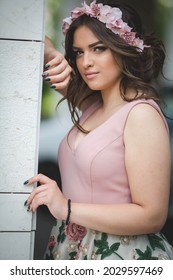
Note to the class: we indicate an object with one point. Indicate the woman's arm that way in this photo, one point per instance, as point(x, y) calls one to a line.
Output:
point(57, 70)
point(147, 158)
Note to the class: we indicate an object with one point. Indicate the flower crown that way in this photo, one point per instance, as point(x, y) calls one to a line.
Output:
point(111, 17)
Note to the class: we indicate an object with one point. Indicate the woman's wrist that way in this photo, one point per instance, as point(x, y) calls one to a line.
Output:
point(49, 49)
point(65, 211)
point(48, 54)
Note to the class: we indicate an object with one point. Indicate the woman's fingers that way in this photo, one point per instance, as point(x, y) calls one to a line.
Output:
point(49, 194)
point(58, 58)
point(62, 85)
point(48, 189)
point(38, 200)
point(35, 192)
point(42, 179)
point(58, 77)
point(58, 72)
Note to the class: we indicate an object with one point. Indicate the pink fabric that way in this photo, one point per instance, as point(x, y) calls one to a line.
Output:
point(95, 171)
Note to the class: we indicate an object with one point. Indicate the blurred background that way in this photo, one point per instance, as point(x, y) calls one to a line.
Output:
point(157, 16)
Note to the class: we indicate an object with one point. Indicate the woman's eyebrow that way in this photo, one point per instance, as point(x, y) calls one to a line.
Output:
point(90, 46)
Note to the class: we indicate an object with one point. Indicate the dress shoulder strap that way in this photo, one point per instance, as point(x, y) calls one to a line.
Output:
point(150, 102)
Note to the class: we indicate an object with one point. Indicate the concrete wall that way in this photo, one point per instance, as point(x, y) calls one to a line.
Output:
point(21, 64)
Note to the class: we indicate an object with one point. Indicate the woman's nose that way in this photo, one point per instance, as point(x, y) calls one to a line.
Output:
point(88, 60)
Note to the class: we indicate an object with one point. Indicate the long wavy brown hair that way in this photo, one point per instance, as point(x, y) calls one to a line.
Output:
point(139, 69)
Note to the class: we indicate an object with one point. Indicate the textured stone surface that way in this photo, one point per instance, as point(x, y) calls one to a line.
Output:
point(22, 19)
point(16, 245)
point(19, 112)
point(21, 62)
point(14, 215)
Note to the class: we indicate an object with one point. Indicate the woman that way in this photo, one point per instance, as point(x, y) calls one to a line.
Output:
point(115, 161)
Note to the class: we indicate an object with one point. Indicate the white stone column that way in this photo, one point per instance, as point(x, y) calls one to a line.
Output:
point(21, 64)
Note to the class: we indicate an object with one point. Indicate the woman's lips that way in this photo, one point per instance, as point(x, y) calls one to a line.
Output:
point(90, 75)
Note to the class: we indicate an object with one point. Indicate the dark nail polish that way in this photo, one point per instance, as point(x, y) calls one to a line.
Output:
point(46, 66)
point(26, 202)
point(28, 208)
point(26, 182)
point(52, 86)
point(45, 74)
point(47, 79)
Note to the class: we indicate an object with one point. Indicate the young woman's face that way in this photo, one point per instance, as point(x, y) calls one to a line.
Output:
point(95, 61)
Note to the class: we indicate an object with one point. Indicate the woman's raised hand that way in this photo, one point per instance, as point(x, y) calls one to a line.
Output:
point(57, 72)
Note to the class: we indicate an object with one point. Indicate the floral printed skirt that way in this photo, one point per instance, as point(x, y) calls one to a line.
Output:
point(74, 242)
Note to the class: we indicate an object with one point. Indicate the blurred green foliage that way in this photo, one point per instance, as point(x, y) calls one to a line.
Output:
point(53, 11)
point(49, 96)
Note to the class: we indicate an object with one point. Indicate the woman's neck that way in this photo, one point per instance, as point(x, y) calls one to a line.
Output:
point(111, 99)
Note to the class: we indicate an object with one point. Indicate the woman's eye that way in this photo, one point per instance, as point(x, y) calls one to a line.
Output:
point(100, 49)
point(78, 53)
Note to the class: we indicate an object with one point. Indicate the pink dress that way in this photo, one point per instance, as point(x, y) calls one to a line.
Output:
point(95, 172)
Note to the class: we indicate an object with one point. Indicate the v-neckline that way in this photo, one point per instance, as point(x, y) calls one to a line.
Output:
point(75, 130)
point(87, 114)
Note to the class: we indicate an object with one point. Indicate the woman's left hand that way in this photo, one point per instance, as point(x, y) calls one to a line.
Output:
point(49, 194)
point(58, 72)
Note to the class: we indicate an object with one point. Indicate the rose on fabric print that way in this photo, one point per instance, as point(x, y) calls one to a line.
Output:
point(75, 232)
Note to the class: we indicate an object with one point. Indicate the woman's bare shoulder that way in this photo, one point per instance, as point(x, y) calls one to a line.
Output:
point(146, 114)
point(145, 120)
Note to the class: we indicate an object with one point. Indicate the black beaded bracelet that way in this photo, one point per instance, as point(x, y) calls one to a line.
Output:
point(69, 212)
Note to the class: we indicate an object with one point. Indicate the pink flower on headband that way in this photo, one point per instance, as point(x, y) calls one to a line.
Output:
point(66, 24)
point(90, 10)
point(111, 17)
point(77, 12)
point(109, 14)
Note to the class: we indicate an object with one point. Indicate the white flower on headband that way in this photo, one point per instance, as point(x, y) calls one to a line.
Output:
point(111, 17)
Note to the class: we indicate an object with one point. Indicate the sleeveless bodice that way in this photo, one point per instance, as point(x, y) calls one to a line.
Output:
point(94, 171)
